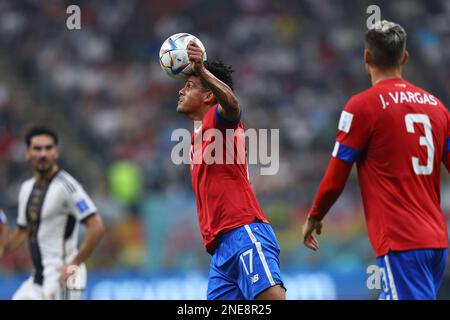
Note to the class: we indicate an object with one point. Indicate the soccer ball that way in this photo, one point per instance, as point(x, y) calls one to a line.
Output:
point(173, 56)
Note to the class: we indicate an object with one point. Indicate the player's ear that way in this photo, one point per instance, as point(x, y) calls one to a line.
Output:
point(367, 57)
point(56, 152)
point(405, 57)
point(210, 99)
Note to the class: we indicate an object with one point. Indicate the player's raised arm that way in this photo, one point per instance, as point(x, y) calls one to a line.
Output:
point(228, 104)
point(17, 239)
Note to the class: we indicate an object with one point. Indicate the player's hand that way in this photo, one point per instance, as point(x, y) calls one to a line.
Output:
point(195, 54)
point(309, 227)
point(66, 272)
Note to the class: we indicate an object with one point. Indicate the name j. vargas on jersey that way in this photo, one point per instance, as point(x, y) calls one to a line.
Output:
point(400, 97)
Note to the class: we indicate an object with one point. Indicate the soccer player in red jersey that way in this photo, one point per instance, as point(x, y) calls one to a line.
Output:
point(243, 247)
point(397, 134)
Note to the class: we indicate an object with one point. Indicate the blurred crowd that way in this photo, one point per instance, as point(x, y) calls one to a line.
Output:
point(296, 64)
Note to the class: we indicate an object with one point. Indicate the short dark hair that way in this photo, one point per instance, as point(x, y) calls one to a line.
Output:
point(221, 71)
point(386, 42)
point(37, 131)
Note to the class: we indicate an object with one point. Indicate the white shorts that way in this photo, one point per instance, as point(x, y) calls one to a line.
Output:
point(51, 289)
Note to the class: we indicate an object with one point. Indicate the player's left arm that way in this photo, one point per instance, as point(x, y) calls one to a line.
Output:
point(85, 211)
point(94, 233)
point(229, 107)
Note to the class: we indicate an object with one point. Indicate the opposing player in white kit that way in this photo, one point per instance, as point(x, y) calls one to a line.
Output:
point(51, 206)
point(3, 231)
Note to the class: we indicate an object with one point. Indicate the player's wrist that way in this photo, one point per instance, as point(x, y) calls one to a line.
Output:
point(76, 262)
point(315, 216)
point(201, 70)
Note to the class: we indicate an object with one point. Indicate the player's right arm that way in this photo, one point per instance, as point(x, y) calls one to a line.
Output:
point(3, 231)
point(20, 234)
point(331, 187)
point(229, 107)
point(16, 240)
point(354, 130)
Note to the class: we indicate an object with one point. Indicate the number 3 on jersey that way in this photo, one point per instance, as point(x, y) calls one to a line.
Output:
point(426, 141)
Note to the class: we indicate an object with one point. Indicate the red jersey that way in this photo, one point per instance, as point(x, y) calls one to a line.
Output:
point(398, 134)
point(224, 196)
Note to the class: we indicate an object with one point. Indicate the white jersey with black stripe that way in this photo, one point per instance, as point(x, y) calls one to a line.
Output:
point(52, 215)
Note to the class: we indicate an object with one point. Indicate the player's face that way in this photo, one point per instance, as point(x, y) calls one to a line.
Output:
point(191, 96)
point(42, 153)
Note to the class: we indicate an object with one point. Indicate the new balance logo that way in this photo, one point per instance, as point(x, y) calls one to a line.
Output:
point(255, 278)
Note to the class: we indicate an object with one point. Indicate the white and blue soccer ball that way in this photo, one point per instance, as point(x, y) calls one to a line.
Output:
point(173, 56)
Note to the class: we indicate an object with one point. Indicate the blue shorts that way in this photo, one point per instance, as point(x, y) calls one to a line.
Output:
point(245, 263)
point(412, 274)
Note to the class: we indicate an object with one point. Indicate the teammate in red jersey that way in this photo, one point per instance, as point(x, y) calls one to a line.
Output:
point(245, 252)
point(397, 134)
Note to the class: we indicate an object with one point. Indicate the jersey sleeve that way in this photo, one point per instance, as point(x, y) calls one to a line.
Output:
point(354, 131)
point(222, 123)
point(80, 203)
point(21, 211)
point(330, 188)
point(447, 138)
